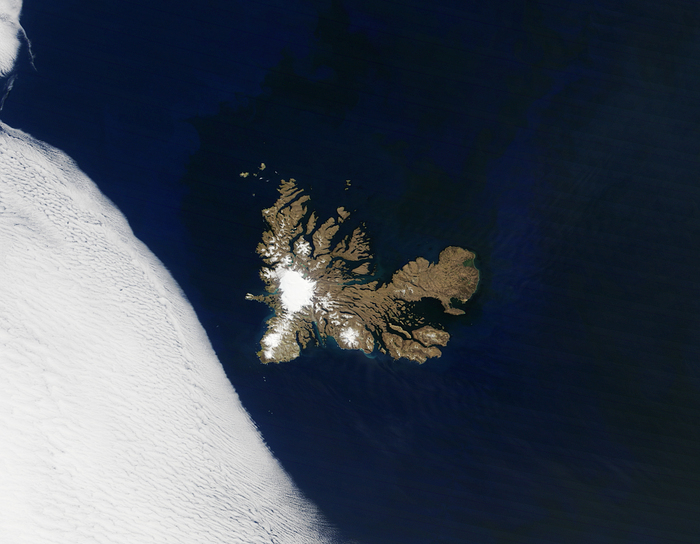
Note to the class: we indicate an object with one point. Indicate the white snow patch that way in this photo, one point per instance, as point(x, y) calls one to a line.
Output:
point(117, 422)
point(302, 247)
point(272, 340)
point(349, 336)
point(280, 332)
point(325, 302)
point(296, 291)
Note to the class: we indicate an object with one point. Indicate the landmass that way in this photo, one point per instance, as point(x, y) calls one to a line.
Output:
point(319, 289)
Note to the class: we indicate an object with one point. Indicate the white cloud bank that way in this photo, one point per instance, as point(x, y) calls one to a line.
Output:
point(117, 422)
point(10, 31)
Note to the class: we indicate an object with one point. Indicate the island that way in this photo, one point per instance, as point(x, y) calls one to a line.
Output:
point(320, 289)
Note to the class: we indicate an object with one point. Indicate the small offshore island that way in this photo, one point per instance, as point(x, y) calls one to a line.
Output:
point(318, 289)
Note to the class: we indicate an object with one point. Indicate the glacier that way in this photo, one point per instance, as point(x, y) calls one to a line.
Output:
point(117, 421)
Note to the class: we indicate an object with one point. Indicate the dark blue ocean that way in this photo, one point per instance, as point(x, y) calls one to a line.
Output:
point(558, 141)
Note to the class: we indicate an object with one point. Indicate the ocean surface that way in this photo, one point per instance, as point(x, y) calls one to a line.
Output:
point(558, 141)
